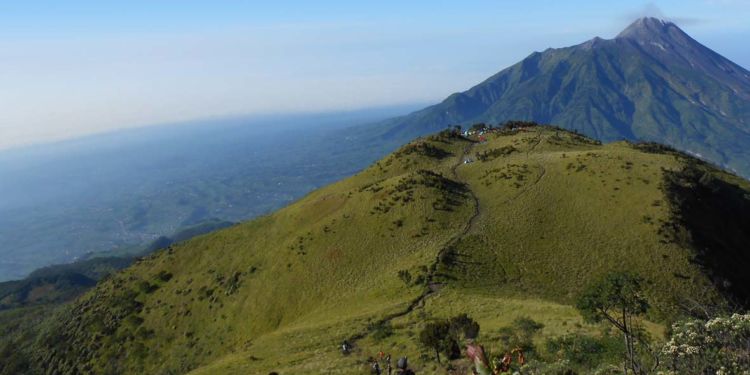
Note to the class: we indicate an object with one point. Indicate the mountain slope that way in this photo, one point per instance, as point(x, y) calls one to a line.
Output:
point(652, 82)
point(537, 216)
point(59, 283)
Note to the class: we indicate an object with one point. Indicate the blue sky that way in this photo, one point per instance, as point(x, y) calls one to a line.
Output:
point(78, 67)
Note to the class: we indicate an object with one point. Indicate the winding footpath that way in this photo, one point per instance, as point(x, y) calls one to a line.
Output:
point(433, 287)
point(539, 177)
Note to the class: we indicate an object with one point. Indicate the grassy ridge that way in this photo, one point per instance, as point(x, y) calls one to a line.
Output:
point(573, 210)
point(517, 232)
point(331, 256)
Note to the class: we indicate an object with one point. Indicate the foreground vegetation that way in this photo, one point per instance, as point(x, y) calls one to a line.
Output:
point(506, 231)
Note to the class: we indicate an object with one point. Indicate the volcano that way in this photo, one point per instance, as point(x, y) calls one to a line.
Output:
point(652, 82)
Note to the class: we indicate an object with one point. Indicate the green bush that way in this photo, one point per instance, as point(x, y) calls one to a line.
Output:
point(146, 287)
point(585, 352)
point(520, 334)
point(405, 276)
point(444, 336)
point(720, 345)
point(380, 330)
point(463, 325)
point(164, 276)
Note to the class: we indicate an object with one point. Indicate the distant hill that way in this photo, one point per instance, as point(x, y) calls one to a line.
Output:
point(512, 223)
point(652, 82)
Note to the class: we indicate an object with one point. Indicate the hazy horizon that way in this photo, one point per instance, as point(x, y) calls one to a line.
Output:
point(87, 68)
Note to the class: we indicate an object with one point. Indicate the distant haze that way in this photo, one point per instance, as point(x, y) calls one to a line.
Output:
point(90, 67)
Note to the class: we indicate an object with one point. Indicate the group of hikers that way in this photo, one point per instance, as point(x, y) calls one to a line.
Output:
point(402, 365)
point(381, 364)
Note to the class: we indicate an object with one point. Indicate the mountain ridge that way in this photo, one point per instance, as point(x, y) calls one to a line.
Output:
point(653, 82)
point(555, 211)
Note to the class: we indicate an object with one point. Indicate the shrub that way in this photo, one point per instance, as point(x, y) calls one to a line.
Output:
point(463, 325)
point(134, 320)
point(146, 287)
point(495, 153)
point(520, 334)
point(585, 352)
point(405, 276)
point(437, 336)
point(444, 335)
point(519, 124)
point(720, 345)
point(13, 360)
point(164, 276)
point(380, 330)
point(527, 326)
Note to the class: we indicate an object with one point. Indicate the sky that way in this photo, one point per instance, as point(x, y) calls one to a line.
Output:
point(74, 68)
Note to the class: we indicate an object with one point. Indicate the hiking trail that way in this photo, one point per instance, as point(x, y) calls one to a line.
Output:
point(434, 287)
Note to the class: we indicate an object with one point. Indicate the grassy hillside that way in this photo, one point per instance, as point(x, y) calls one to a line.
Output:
point(519, 231)
point(60, 283)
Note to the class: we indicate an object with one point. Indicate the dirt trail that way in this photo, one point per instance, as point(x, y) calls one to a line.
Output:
point(542, 173)
point(432, 286)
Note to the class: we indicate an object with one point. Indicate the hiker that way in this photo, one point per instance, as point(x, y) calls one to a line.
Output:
point(375, 368)
point(403, 367)
point(388, 364)
point(402, 363)
point(346, 347)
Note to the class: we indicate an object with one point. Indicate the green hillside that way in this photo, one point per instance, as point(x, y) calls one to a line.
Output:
point(60, 283)
point(514, 226)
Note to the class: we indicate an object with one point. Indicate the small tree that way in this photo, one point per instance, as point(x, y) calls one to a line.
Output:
point(463, 325)
point(444, 335)
point(434, 336)
point(617, 299)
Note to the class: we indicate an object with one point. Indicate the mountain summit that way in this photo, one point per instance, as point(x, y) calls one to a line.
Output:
point(651, 82)
point(651, 29)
